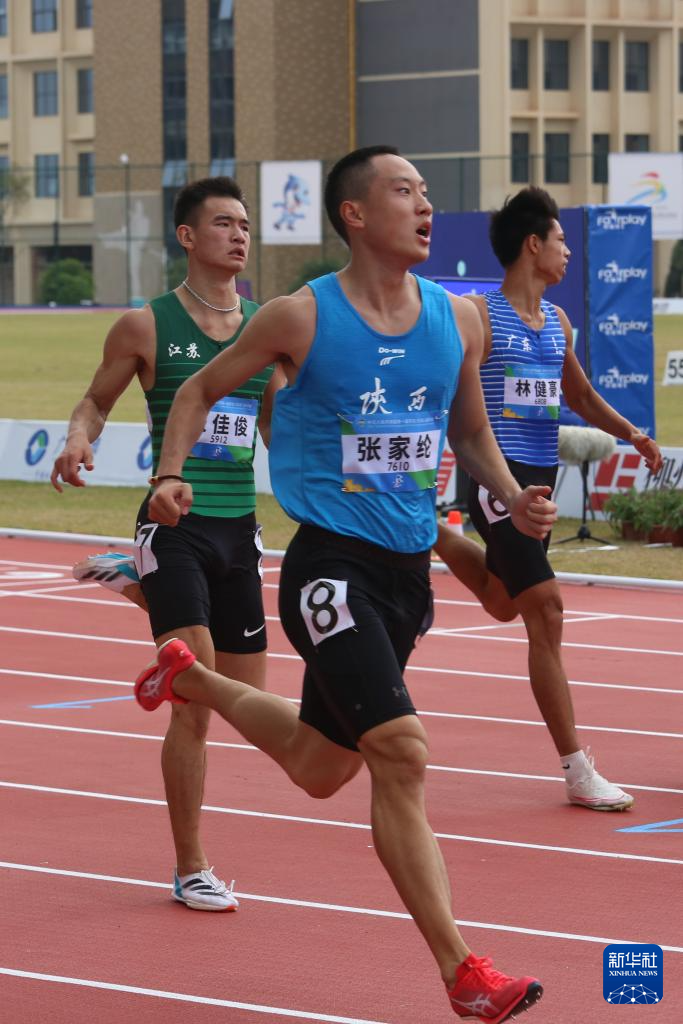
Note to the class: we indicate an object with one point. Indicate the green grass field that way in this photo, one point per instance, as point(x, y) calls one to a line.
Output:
point(48, 361)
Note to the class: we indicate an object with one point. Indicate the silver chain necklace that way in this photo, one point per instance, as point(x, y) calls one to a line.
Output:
point(217, 309)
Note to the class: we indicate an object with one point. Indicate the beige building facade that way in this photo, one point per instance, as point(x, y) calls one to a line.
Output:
point(107, 108)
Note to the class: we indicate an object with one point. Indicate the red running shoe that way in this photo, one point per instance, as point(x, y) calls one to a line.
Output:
point(484, 994)
point(153, 685)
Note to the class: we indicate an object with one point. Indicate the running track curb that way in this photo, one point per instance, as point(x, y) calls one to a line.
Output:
point(586, 579)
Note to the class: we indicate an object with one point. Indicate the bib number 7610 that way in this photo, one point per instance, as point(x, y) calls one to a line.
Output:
point(324, 609)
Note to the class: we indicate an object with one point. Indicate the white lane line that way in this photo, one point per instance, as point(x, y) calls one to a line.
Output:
point(331, 823)
point(314, 905)
point(182, 997)
point(590, 615)
point(248, 746)
point(274, 618)
point(467, 673)
point(470, 633)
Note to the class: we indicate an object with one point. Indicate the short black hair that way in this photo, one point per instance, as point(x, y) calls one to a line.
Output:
point(192, 195)
point(530, 212)
point(349, 179)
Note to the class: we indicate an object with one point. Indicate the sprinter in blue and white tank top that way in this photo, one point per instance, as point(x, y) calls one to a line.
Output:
point(379, 365)
point(528, 362)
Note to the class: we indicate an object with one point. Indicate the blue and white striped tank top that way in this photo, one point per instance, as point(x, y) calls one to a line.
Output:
point(521, 382)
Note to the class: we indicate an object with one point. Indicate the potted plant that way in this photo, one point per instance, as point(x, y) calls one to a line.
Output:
point(673, 517)
point(621, 509)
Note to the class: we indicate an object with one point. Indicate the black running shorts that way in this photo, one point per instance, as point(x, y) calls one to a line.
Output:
point(206, 571)
point(520, 562)
point(353, 611)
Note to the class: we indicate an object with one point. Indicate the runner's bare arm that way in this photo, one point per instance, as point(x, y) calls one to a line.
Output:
point(276, 382)
point(583, 399)
point(471, 437)
point(281, 331)
point(129, 349)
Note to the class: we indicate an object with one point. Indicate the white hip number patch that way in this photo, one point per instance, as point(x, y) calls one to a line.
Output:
point(145, 559)
point(324, 609)
point(493, 509)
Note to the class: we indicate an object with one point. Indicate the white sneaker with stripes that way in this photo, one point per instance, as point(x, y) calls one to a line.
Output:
point(112, 570)
point(203, 891)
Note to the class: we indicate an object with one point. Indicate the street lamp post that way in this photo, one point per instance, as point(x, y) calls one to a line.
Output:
point(124, 160)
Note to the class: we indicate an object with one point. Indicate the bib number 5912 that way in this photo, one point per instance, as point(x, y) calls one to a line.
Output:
point(324, 609)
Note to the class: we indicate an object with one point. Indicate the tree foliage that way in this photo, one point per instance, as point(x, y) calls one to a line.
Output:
point(66, 282)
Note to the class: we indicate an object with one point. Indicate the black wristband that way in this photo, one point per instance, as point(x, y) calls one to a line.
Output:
point(154, 480)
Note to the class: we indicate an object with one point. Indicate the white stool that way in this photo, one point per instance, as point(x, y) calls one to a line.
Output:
point(581, 446)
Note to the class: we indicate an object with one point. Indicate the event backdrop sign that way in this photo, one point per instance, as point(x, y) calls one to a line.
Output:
point(461, 258)
point(291, 202)
point(621, 342)
point(650, 179)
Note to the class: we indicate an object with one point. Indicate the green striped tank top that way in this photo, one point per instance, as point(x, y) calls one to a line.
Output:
point(221, 488)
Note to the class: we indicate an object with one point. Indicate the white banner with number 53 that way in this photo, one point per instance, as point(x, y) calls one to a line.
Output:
point(673, 368)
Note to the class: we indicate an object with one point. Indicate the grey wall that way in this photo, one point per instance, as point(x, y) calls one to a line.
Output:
point(429, 112)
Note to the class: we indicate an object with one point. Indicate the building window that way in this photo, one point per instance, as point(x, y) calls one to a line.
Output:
point(519, 63)
point(86, 174)
point(557, 157)
point(4, 173)
point(637, 143)
point(3, 17)
point(46, 176)
point(221, 87)
point(680, 143)
point(174, 80)
point(4, 103)
point(680, 67)
point(85, 91)
point(45, 95)
point(519, 164)
point(83, 13)
point(637, 67)
point(600, 154)
point(601, 65)
point(556, 64)
point(44, 15)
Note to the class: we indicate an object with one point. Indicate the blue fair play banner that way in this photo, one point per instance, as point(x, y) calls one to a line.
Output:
point(619, 278)
point(632, 972)
point(606, 293)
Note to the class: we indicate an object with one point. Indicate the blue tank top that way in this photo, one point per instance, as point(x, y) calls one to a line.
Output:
point(357, 439)
point(521, 382)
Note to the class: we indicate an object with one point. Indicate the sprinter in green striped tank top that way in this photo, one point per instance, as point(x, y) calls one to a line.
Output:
point(201, 581)
point(221, 487)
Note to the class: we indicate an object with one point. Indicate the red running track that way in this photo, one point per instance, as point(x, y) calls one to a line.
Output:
point(89, 931)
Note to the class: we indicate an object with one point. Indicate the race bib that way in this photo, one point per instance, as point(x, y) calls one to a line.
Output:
point(144, 557)
point(229, 431)
point(390, 453)
point(531, 393)
point(324, 609)
point(493, 509)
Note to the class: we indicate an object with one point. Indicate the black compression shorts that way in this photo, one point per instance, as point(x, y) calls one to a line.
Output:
point(520, 562)
point(353, 611)
point(206, 571)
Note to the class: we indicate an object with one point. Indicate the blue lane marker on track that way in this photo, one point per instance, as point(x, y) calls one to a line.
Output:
point(81, 703)
point(656, 826)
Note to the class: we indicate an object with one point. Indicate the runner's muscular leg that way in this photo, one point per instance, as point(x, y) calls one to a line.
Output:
point(541, 609)
point(183, 760)
point(396, 755)
point(272, 724)
point(467, 561)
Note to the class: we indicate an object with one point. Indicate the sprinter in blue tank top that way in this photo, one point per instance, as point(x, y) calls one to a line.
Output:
point(379, 365)
point(528, 359)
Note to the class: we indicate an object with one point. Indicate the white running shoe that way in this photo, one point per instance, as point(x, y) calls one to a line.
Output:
point(112, 570)
point(203, 891)
point(591, 790)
